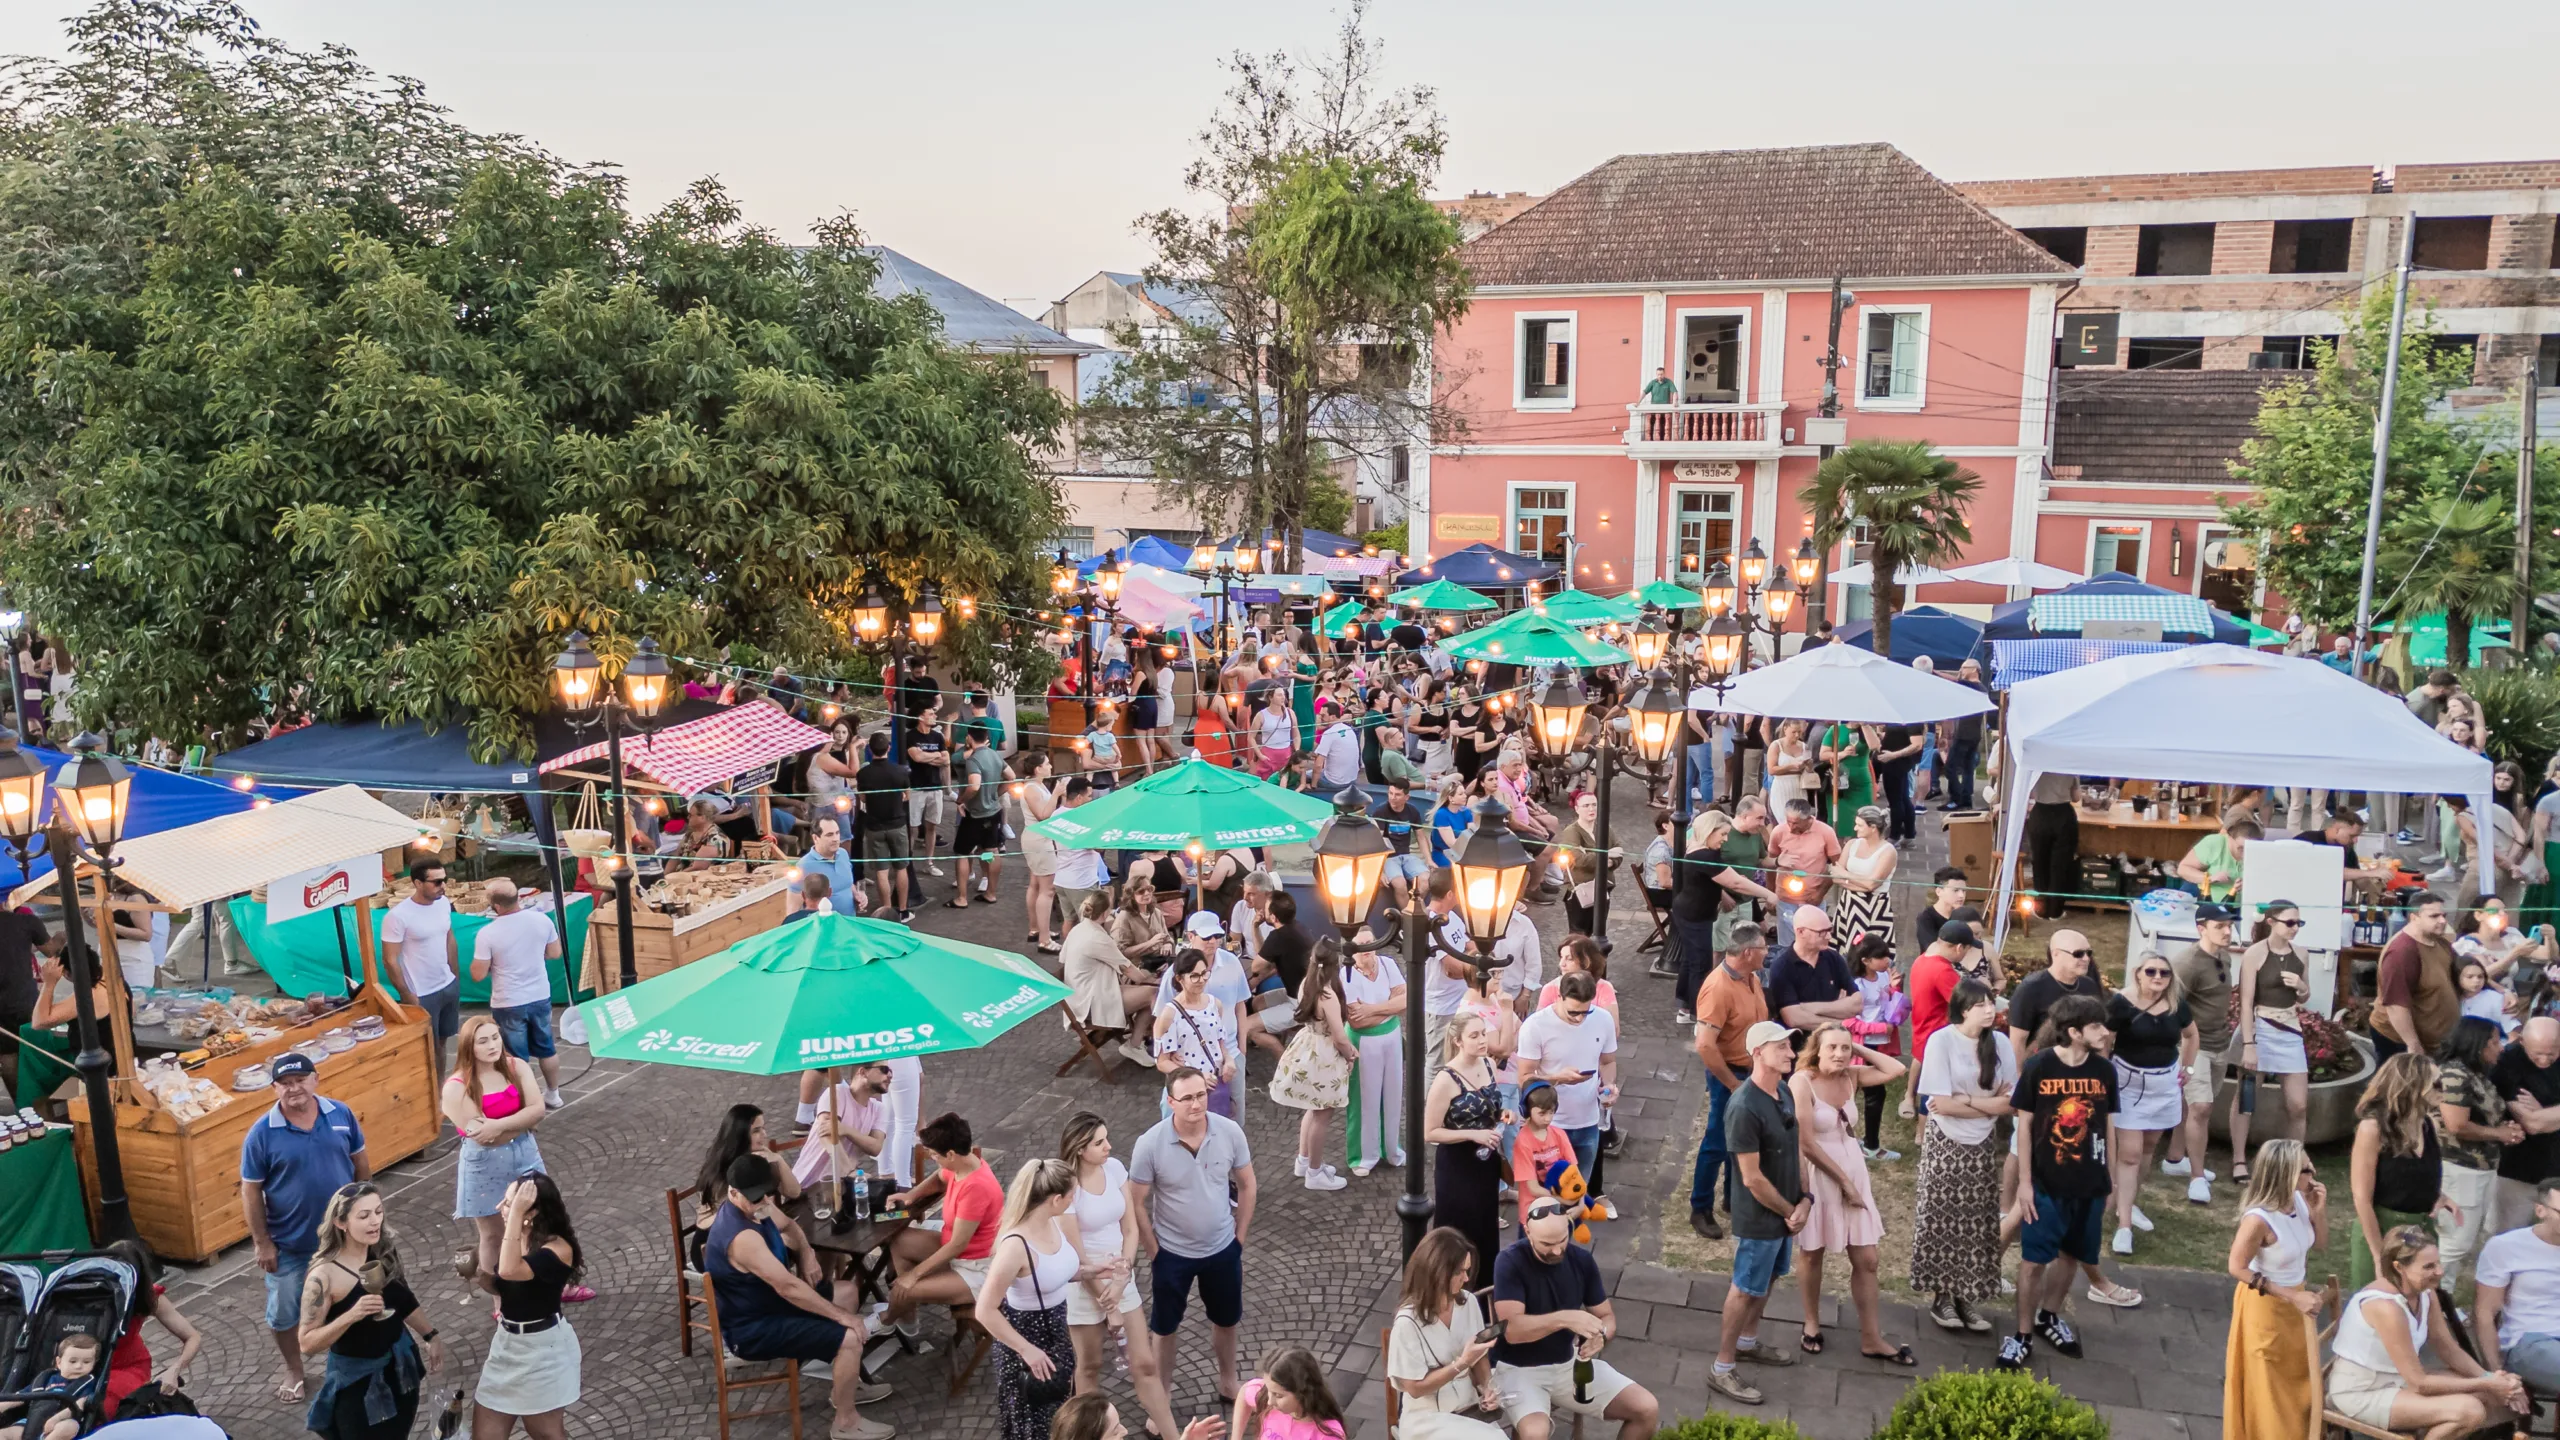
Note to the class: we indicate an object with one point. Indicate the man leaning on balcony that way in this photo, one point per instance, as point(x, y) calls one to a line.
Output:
point(1659, 390)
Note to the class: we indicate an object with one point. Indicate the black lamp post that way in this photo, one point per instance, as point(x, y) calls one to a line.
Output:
point(91, 795)
point(1739, 613)
point(577, 676)
point(1228, 566)
point(874, 629)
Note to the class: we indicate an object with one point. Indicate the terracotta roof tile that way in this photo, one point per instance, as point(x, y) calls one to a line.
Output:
point(1807, 213)
point(2178, 427)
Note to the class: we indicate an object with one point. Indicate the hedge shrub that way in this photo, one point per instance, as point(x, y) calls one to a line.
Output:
point(1979, 1405)
point(1718, 1425)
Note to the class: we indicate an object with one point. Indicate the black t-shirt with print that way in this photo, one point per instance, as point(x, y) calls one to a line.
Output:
point(2069, 1105)
point(929, 772)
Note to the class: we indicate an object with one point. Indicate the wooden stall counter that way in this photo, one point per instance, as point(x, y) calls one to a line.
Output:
point(182, 1176)
point(719, 908)
point(1973, 839)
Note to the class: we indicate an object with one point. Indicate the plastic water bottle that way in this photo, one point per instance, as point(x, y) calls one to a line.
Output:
point(861, 1196)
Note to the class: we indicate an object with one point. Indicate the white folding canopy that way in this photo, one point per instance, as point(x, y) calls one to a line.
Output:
point(1844, 683)
point(2222, 715)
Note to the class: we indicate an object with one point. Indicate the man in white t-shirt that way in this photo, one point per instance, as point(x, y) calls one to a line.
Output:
point(2517, 1313)
point(419, 932)
point(512, 953)
point(1573, 1045)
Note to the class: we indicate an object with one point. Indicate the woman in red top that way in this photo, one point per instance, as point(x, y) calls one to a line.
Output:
point(129, 1366)
point(1211, 734)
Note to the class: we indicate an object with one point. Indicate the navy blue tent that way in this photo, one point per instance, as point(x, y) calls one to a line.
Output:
point(390, 757)
point(1147, 550)
point(1946, 638)
point(2010, 621)
point(164, 800)
point(1481, 567)
point(1313, 542)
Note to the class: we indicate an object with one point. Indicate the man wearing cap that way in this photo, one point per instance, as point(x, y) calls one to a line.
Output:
point(1731, 1001)
point(1760, 1130)
point(1933, 980)
point(1810, 983)
point(978, 845)
point(304, 1151)
point(774, 1302)
point(1552, 1309)
point(2203, 972)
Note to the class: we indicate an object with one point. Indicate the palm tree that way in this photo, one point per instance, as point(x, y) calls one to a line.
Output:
point(2457, 557)
point(1912, 501)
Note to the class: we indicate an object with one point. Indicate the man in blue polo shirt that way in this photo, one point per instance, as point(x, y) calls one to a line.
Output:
point(827, 856)
point(304, 1151)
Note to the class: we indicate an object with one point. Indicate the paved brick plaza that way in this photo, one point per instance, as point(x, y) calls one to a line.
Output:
point(1320, 1269)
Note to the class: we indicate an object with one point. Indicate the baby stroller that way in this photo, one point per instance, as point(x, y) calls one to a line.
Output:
point(20, 1284)
point(89, 1296)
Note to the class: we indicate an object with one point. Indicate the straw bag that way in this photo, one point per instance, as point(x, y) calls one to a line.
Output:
point(586, 834)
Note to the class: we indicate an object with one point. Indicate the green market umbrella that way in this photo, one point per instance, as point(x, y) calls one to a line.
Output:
point(1665, 595)
point(1441, 595)
point(2427, 635)
point(1581, 607)
point(1195, 800)
point(1529, 638)
point(828, 990)
point(1337, 620)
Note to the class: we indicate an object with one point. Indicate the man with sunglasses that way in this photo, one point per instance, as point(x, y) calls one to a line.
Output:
point(2203, 973)
point(419, 932)
point(2070, 969)
point(1553, 1309)
point(1769, 1207)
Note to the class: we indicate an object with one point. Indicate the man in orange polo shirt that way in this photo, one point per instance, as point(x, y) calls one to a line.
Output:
point(1730, 1001)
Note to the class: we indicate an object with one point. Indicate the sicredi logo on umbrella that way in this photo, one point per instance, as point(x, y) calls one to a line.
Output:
point(822, 1047)
point(657, 1040)
point(985, 1017)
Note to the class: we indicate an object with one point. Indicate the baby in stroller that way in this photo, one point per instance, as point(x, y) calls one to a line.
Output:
point(64, 1401)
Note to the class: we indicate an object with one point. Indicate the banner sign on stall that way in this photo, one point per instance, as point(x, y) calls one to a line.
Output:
point(324, 887)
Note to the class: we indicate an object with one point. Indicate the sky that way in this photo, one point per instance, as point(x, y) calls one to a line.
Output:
point(1012, 145)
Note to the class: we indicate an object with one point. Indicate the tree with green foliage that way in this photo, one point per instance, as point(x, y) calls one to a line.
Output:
point(1912, 501)
point(314, 402)
point(2310, 468)
point(1321, 271)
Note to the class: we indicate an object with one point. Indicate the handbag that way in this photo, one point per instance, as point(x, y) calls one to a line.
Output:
point(1036, 1393)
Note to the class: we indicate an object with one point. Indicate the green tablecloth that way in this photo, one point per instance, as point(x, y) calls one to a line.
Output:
point(302, 954)
point(40, 1205)
point(39, 1074)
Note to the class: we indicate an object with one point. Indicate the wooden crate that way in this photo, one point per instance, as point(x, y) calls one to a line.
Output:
point(660, 942)
point(182, 1178)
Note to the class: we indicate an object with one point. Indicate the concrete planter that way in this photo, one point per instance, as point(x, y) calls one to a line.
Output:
point(2330, 1117)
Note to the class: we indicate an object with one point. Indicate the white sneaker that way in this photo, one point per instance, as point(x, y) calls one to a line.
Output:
point(1300, 1167)
point(2008, 1286)
point(2124, 1241)
point(1362, 1171)
point(553, 1100)
point(1608, 1208)
point(933, 870)
point(2141, 1221)
point(1321, 1179)
point(2200, 1191)
point(2175, 1169)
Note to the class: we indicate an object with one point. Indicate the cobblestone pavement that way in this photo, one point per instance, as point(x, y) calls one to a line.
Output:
point(1320, 1269)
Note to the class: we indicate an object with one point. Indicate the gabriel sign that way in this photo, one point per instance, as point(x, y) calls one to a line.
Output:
point(323, 887)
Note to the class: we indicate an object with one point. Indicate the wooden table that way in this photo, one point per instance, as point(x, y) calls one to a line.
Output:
point(1974, 844)
point(856, 1242)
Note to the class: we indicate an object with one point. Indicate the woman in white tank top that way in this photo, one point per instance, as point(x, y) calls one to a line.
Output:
point(2266, 1382)
point(1024, 1302)
point(2379, 1376)
point(1102, 1309)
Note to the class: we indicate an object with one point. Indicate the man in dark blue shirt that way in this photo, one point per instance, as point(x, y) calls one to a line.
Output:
point(1553, 1310)
point(1810, 983)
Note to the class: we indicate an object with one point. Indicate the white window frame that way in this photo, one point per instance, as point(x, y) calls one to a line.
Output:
point(2089, 552)
point(1672, 347)
point(1511, 512)
point(1520, 398)
point(1741, 523)
point(1895, 404)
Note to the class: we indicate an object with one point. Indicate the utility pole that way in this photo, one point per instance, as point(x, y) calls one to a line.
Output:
point(1817, 594)
point(2518, 637)
point(2382, 445)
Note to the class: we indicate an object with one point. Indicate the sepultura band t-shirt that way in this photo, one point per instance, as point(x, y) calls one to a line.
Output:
point(2069, 1105)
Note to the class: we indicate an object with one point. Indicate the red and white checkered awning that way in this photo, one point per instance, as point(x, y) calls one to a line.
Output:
point(708, 753)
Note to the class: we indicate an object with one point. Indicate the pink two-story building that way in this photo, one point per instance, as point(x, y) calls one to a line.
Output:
point(1716, 269)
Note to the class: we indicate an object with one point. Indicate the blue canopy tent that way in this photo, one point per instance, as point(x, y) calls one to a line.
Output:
point(162, 800)
point(1146, 550)
point(1948, 639)
point(1481, 567)
point(2013, 621)
point(1312, 542)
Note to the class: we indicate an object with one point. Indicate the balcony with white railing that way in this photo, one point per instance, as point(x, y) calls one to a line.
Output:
point(1704, 431)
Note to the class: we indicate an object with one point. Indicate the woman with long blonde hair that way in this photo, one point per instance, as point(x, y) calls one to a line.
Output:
point(357, 1306)
point(1023, 1303)
point(2395, 1172)
point(2267, 1391)
point(1462, 1117)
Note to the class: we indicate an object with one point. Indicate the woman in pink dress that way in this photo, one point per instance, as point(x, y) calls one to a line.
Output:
point(1831, 1072)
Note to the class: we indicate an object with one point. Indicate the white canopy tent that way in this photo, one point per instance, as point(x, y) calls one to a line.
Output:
point(232, 854)
point(1843, 683)
point(1864, 573)
point(2018, 573)
point(2222, 715)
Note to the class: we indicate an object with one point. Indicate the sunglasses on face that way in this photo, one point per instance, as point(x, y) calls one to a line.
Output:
point(1545, 1210)
point(2079, 954)
point(2294, 923)
point(2156, 974)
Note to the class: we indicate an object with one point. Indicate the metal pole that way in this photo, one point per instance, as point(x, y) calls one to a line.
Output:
point(1413, 1207)
point(630, 967)
point(1600, 891)
point(2382, 443)
point(115, 1216)
point(2527, 436)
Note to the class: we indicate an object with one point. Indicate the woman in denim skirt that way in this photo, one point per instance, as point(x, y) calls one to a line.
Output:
point(494, 1100)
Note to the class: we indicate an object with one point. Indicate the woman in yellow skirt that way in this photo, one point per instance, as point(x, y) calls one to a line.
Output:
point(2269, 1388)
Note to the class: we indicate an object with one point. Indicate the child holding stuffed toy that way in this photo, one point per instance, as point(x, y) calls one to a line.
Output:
point(1540, 1143)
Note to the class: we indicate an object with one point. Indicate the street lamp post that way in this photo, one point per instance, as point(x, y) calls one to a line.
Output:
point(873, 629)
point(577, 676)
point(12, 624)
point(1739, 613)
point(1227, 566)
point(91, 795)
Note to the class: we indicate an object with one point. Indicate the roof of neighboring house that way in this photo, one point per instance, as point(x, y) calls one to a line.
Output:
point(2156, 426)
point(1180, 301)
point(1806, 213)
point(969, 319)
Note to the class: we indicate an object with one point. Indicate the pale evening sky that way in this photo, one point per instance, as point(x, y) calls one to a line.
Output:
point(1010, 145)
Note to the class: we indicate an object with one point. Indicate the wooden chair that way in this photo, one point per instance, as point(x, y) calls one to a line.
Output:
point(2331, 1422)
point(729, 1373)
point(693, 1286)
point(1091, 1040)
point(966, 1333)
point(1656, 907)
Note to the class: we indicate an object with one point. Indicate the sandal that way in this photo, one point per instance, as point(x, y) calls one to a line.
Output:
point(288, 1392)
point(1810, 1342)
point(2239, 1172)
point(955, 904)
point(1901, 1355)
point(1046, 949)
